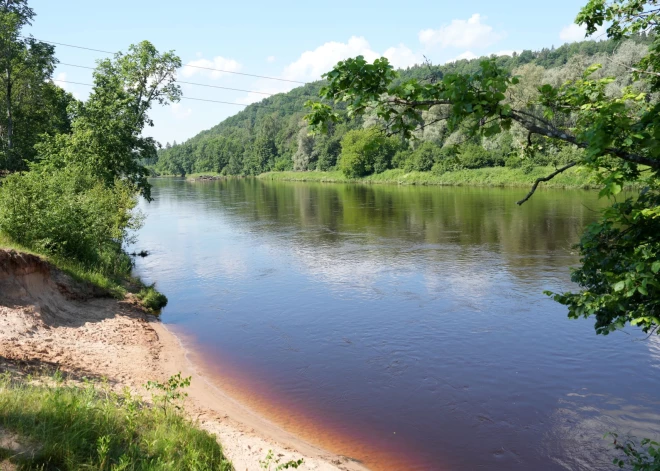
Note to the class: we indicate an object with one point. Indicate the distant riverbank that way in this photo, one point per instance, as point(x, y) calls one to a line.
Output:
point(486, 177)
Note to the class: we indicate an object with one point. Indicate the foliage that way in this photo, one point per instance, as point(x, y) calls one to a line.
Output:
point(366, 151)
point(643, 456)
point(106, 131)
point(152, 299)
point(84, 160)
point(170, 393)
point(620, 257)
point(229, 145)
point(618, 128)
point(84, 428)
point(270, 460)
point(31, 104)
point(69, 213)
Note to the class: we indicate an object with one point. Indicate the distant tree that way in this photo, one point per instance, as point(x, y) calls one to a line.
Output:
point(366, 151)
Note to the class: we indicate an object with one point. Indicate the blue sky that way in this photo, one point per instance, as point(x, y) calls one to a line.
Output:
point(297, 40)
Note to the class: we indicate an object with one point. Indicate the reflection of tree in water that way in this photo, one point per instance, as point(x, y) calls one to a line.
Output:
point(550, 223)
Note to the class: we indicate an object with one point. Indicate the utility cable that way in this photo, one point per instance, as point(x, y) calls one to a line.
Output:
point(195, 99)
point(181, 81)
point(184, 65)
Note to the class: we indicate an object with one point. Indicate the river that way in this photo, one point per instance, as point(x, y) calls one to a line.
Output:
point(405, 327)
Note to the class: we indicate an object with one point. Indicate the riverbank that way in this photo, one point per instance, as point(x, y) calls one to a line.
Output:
point(47, 318)
point(484, 177)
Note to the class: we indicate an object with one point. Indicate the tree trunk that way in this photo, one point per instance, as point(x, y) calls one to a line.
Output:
point(10, 122)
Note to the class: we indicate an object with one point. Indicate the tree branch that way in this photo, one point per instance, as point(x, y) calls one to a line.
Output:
point(545, 179)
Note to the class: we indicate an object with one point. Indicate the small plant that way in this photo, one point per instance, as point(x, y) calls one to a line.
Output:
point(152, 299)
point(644, 456)
point(169, 393)
point(103, 449)
point(270, 460)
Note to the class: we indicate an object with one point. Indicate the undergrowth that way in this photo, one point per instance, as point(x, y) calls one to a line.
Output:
point(74, 427)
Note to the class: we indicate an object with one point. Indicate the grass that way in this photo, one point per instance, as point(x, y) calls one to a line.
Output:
point(74, 427)
point(194, 175)
point(204, 174)
point(486, 177)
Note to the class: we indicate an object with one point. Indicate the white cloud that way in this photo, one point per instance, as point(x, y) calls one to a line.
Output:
point(180, 112)
point(270, 59)
point(573, 33)
point(312, 64)
point(468, 33)
point(60, 79)
point(218, 62)
point(402, 57)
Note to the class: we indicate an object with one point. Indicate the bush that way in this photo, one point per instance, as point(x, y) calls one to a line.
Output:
point(423, 158)
point(475, 156)
point(69, 213)
point(152, 299)
point(366, 151)
point(281, 165)
point(513, 161)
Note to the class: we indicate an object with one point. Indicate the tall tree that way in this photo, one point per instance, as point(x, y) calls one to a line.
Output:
point(107, 129)
point(32, 105)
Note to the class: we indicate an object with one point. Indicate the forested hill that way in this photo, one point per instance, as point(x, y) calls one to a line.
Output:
point(271, 134)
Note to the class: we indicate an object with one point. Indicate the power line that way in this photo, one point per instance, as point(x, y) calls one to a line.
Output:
point(184, 65)
point(181, 81)
point(192, 98)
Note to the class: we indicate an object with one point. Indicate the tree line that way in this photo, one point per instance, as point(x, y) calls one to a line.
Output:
point(272, 135)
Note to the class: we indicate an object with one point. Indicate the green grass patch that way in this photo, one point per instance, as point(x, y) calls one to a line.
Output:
point(69, 427)
point(486, 177)
point(152, 299)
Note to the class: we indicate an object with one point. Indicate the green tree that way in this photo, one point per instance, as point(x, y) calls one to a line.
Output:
point(619, 134)
point(366, 151)
point(32, 105)
point(107, 129)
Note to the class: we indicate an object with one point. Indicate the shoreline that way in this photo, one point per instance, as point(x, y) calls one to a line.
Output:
point(486, 177)
point(46, 319)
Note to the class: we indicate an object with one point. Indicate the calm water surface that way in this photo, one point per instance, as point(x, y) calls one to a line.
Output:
point(404, 327)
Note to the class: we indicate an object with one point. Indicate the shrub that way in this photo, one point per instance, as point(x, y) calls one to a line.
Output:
point(423, 158)
point(152, 299)
point(69, 213)
point(366, 151)
point(475, 156)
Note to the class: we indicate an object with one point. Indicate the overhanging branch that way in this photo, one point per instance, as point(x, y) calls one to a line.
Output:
point(545, 179)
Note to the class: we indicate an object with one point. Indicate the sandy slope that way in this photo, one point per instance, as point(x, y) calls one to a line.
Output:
point(46, 317)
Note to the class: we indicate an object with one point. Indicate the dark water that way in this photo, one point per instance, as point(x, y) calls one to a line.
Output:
point(404, 327)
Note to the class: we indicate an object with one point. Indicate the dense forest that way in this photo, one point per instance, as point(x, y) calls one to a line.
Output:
point(272, 135)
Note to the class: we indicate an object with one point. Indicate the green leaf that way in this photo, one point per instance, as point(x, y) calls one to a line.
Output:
point(655, 268)
point(619, 286)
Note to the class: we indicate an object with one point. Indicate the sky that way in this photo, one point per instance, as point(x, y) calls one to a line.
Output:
point(294, 40)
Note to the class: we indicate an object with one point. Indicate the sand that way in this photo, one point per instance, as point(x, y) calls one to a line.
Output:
point(47, 318)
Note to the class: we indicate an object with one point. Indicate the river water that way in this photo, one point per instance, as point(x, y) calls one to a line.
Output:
point(405, 327)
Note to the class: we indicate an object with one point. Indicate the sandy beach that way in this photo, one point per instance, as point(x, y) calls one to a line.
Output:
point(47, 318)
